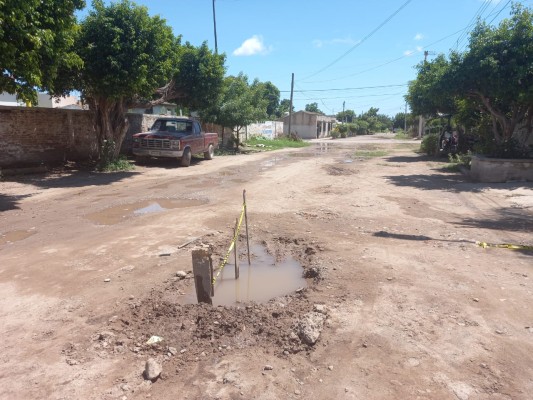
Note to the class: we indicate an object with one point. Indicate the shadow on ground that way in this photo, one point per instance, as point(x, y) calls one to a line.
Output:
point(10, 202)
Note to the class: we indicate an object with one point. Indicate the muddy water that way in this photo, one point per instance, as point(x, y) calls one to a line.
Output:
point(117, 214)
point(265, 279)
point(15, 236)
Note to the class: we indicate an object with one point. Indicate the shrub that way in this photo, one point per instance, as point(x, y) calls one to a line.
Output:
point(430, 144)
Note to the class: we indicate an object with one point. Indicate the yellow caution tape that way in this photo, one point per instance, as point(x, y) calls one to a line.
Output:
point(232, 244)
point(505, 246)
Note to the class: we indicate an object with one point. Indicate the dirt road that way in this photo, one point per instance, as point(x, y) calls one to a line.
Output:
point(411, 307)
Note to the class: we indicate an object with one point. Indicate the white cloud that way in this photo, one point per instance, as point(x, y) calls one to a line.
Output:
point(408, 52)
point(342, 41)
point(419, 36)
point(419, 48)
point(252, 46)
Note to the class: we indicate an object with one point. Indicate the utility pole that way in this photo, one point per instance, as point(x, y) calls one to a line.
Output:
point(215, 27)
point(290, 105)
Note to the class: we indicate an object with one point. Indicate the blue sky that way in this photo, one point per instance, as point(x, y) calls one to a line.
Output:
point(359, 52)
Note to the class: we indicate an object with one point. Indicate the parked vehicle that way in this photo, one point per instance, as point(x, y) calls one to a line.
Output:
point(175, 137)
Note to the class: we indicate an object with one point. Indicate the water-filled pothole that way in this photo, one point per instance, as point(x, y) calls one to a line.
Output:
point(263, 280)
point(15, 236)
point(114, 215)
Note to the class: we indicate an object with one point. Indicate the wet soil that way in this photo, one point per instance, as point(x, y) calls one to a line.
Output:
point(95, 265)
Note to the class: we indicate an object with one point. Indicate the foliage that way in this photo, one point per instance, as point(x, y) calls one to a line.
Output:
point(198, 77)
point(510, 148)
point(430, 144)
point(401, 135)
point(127, 54)
point(108, 162)
point(283, 108)
point(335, 134)
point(240, 103)
point(36, 41)
point(313, 107)
point(275, 144)
point(493, 78)
point(346, 116)
point(271, 94)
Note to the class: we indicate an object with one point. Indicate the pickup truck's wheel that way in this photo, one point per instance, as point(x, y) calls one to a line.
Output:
point(186, 158)
point(210, 153)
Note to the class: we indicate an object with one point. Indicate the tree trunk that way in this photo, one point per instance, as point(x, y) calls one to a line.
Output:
point(110, 123)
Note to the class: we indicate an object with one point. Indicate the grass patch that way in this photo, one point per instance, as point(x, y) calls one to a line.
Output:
point(402, 136)
point(120, 164)
point(274, 144)
point(370, 153)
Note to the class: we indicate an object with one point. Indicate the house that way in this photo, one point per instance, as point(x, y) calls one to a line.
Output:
point(309, 125)
point(159, 109)
point(43, 100)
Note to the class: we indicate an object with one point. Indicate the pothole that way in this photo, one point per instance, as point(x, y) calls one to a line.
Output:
point(259, 282)
point(117, 214)
point(16, 236)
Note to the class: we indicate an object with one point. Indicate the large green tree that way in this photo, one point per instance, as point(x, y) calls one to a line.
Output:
point(127, 55)
point(497, 70)
point(36, 39)
point(197, 80)
point(313, 107)
point(240, 103)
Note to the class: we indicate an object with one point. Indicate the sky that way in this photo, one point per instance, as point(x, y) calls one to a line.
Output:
point(353, 54)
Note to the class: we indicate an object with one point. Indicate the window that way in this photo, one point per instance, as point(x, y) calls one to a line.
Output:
point(197, 128)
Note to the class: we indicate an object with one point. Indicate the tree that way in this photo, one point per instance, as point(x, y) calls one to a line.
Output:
point(283, 108)
point(240, 104)
point(127, 54)
point(36, 40)
point(497, 70)
point(346, 116)
point(432, 92)
point(313, 107)
point(271, 94)
point(197, 80)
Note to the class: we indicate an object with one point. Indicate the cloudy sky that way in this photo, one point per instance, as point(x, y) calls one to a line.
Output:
point(358, 52)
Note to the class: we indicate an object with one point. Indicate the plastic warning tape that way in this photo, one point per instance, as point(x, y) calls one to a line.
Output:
point(232, 244)
point(505, 246)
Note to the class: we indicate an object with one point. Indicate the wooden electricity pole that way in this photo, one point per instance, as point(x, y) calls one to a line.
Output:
point(290, 105)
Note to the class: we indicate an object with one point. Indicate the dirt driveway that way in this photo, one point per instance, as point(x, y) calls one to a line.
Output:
point(408, 306)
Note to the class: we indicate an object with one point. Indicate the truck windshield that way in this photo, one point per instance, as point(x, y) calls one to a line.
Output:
point(172, 126)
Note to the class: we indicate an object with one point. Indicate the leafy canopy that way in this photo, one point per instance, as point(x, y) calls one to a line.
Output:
point(36, 39)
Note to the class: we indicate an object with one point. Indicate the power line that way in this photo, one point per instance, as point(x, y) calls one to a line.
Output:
point(361, 41)
point(499, 12)
point(337, 89)
point(477, 15)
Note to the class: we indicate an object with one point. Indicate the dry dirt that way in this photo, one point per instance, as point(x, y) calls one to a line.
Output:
point(415, 309)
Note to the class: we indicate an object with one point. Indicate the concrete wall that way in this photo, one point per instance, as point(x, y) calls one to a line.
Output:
point(137, 123)
point(484, 169)
point(308, 125)
point(30, 136)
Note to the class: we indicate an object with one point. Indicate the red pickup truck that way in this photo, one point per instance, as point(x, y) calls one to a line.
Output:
point(175, 137)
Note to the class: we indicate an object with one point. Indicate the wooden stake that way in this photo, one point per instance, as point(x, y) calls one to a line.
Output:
point(236, 236)
point(246, 224)
point(203, 276)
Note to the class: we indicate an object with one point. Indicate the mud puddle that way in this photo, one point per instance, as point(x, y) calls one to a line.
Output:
point(117, 214)
point(263, 280)
point(15, 236)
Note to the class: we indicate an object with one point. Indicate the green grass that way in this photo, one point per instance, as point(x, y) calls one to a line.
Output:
point(120, 164)
point(370, 153)
point(274, 144)
point(402, 136)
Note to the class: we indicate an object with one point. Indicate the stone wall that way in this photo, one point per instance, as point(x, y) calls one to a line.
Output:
point(32, 136)
point(484, 169)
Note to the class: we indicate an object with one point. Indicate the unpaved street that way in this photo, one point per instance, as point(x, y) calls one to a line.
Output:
point(413, 308)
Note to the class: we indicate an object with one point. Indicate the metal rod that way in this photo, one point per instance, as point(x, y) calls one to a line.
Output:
point(246, 225)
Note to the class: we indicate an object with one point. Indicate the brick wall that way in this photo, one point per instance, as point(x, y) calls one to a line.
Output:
point(30, 136)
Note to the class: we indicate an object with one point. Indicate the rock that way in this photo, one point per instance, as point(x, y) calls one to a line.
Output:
point(320, 308)
point(71, 361)
point(152, 370)
point(107, 280)
point(330, 367)
point(297, 392)
point(310, 327)
point(268, 367)
point(476, 299)
point(172, 350)
point(181, 274)
point(499, 332)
